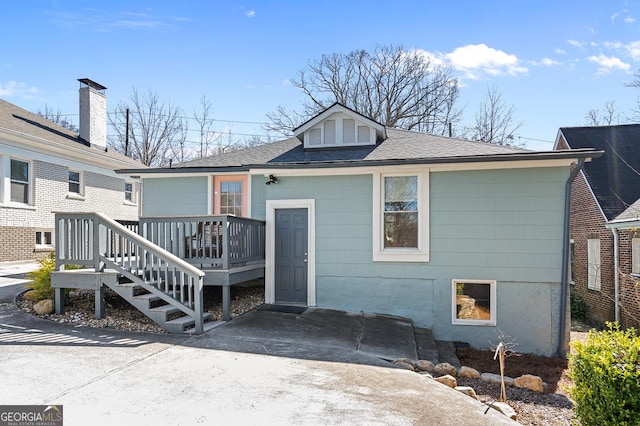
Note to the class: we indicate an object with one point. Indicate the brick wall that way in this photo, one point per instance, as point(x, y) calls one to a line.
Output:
point(588, 221)
point(19, 244)
point(629, 284)
point(102, 193)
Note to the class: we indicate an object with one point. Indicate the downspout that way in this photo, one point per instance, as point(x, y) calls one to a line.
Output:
point(564, 281)
point(616, 279)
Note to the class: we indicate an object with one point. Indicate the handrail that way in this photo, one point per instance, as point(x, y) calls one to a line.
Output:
point(222, 241)
point(93, 239)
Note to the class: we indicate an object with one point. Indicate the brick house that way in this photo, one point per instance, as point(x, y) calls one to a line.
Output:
point(604, 219)
point(47, 168)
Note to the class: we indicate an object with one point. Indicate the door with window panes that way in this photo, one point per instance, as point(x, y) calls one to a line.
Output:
point(230, 195)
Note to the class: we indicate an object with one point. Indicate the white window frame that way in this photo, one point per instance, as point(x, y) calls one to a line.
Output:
point(594, 265)
point(572, 254)
point(134, 194)
point(493, 303)
point(43, 232)
point(80, 193)
point(29, 182)
point(635, 256)
point(397, 254)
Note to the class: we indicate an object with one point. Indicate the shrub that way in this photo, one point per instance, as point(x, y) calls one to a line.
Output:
point(606, 374)
point(41, 277)
point(579, 308)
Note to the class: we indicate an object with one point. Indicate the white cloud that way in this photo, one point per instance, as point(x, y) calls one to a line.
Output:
point(250, 13)
point(478, 59)
point(629, 20)
point(560, 51)
point(547, 62)
point(576, 43)
point(606, 64)
point(613, 18)
point(634, 50)
point(14, 88)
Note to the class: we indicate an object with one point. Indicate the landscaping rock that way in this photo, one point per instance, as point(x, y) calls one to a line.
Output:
point(44, 307)
point(531, 382)
point(505, 409)
point(425, 374)
point(404, 365)
point(405, 361)
point(447, 380)
point(468, 372)
point(445, 368)
point(30, 296)
point(495, 378)
point(467, 390)
point(425, 365)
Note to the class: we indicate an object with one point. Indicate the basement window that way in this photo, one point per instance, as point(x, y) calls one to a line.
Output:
point(474, 302)
point(44, 239)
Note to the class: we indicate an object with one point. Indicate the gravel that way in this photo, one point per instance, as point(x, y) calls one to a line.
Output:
point(120, 315)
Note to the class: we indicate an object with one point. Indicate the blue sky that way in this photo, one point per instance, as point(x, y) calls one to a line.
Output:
point(552, 60)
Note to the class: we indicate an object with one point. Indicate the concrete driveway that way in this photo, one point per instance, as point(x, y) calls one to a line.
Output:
point(110, 377)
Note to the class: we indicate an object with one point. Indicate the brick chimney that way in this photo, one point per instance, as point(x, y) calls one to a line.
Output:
point(93, 113)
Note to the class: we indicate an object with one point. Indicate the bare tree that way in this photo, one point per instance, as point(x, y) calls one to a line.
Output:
point(395, 87)
point(494, 120)
point(56, 117)
point(156, 133)
point(607, 117)
point(204, 119)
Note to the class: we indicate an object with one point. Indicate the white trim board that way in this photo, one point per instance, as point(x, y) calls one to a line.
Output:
point(269, 279)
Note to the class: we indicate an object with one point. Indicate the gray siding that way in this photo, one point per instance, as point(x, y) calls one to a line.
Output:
point(179, 196)
point(504, 225)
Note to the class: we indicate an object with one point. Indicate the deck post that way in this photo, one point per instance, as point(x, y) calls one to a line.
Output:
point(226, 303)
point(58, 298)
point(199, 305)
point(99, 309)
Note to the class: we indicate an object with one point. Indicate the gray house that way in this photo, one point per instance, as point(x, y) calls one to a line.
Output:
point(47, 168)
point(465, 238)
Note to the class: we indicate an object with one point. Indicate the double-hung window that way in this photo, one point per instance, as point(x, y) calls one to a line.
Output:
point(593, 264)
point(20, 181)
point(635, 256)
point(401, 217)
point(129, 195)
point(75, 182)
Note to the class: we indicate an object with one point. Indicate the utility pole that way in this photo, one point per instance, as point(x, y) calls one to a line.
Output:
point(126, 138)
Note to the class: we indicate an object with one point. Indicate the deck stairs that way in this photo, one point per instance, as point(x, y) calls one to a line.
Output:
point(158, 283)
point(159, 306)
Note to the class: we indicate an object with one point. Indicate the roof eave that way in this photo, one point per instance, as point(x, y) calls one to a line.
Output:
point(587, 154)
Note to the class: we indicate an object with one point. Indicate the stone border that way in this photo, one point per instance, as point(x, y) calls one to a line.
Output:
point(446, 374)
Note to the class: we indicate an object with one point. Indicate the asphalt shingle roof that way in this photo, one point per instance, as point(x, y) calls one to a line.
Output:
point(399, 145)
point(22, 121)
point(614, 178)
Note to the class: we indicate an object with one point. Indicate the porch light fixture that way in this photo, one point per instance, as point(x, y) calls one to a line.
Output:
point(272, 179)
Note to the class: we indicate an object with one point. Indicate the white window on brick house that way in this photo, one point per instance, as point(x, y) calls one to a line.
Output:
point(635, 256)
point(572, 260)
point(75, 182)
point(474, 302)
point(20, 178)
point(129, 194)
point(44, 239)
point(593, 264)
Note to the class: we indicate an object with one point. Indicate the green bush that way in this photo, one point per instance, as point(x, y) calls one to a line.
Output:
point(41, 277)
point(579, 308)
point(606, 374)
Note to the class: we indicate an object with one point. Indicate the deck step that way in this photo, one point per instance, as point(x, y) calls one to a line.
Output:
point(186, 323)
